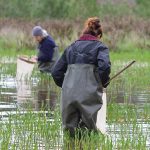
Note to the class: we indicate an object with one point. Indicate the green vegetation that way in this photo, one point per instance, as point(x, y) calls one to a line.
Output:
point(33, 130)
point(31, 9)
point(120, 34)
point(37, 130)
point(126, 29)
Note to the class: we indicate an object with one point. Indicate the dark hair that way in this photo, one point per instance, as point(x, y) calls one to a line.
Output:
point(93, 27)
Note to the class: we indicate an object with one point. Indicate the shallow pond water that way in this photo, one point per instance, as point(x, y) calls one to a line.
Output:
point(20, 94)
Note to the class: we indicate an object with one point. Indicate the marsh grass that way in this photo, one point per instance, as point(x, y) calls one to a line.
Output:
point(39, 130)
point(127, 123)
point(120, 33)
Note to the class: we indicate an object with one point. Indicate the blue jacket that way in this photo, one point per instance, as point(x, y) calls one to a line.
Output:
point(85, 52)
point(46, 49)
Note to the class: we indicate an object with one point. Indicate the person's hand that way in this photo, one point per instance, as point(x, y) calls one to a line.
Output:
point(33, 59)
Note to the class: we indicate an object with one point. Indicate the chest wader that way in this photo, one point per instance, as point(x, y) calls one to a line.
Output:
point(47, 66)
point(81, 97)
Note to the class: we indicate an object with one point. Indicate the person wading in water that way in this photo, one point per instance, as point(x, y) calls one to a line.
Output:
point(47, 49)
point(82, 72)
point(47, 56)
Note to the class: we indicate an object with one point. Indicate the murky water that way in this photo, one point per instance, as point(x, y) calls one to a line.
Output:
point(16, 94)
point(12, 96)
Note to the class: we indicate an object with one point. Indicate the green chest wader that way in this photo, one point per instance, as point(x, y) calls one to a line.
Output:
point(81, 97)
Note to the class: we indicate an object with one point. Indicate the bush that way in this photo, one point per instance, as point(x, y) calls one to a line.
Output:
point(72, 9)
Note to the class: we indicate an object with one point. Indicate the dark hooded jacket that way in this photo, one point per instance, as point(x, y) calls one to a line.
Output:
point(86, 50)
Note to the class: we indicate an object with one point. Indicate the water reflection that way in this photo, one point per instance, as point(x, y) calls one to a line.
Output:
point(46, 96)
point(22, 94)
point(136, 96)
point(38, 97)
